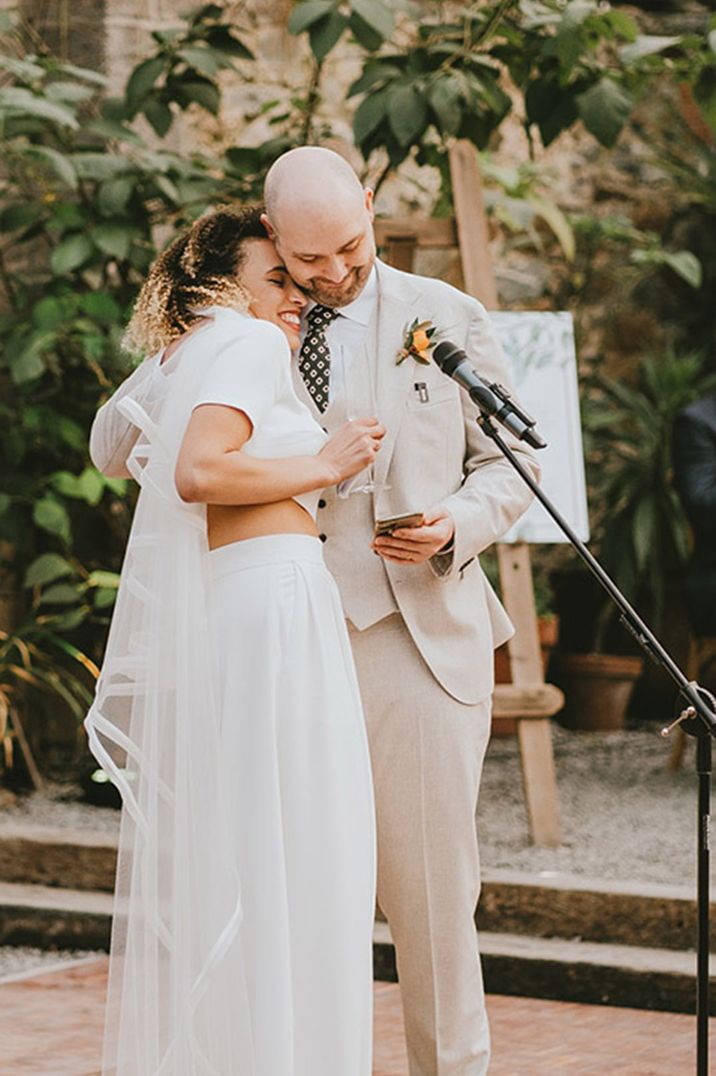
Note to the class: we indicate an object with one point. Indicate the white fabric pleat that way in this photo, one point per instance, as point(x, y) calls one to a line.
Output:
point(227, 715)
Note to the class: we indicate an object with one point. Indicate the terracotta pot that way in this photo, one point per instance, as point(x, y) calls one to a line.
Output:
point(597, 689)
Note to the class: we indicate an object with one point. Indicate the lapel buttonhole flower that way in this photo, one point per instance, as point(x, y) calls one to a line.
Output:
point(417, 342)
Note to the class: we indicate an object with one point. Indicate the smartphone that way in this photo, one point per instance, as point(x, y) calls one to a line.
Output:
point(387, 526)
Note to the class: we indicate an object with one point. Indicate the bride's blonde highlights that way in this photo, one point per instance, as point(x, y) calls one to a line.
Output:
point(200, 268)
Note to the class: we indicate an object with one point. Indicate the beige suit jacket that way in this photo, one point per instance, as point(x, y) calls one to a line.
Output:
point(434, 452)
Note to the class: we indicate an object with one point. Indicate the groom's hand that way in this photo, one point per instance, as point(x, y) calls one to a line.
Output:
point(415, 545)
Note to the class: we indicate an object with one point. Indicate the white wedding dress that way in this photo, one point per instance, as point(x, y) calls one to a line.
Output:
point(228, 715)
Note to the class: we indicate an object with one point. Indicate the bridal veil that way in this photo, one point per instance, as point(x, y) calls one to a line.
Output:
point(175, 997)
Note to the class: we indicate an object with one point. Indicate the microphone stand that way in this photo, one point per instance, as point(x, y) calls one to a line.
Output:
point(697, 716)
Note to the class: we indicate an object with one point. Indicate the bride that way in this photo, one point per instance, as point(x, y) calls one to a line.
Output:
point(227, 711)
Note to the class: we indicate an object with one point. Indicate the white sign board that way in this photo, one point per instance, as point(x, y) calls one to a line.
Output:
point(541, 359)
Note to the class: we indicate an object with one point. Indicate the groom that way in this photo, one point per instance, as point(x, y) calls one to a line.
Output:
point(422, 618)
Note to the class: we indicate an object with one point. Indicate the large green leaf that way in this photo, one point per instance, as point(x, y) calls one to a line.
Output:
point(109, 580)
point(91, 486)
point(142, 81)
point(46, 569)
point(646, 45)
point(325, 33)
point(52, 517)
point(223, 39)
point(71, 253)
point(14, 217)
point(200, 59)
point(407, 112)
point(364, 34)
point(100, 166)
point(24, 70)
point(27, 362)
point(114, 194)
point(375, 71)
point(604, 109)
point(369, 115)
point(87, 74)
point(102, 307)
point(21, 101)
point(377, 14)
point(304, 15)
point(67, 217)
point(69, 92)
point(112, 239)
point(48, 313)
point(205, 94)
point(445, 99)
point(61, 594)
point(159, 115)
point(59, 162)
point(551, 107)
point(686, 265)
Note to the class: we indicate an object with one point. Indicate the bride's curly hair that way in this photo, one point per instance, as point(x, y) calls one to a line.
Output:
point(200, 268)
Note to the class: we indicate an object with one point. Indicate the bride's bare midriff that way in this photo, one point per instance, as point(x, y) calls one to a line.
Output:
point(235, 523)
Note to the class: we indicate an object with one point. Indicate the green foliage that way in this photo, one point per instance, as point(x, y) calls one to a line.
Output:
point(447, 79)
point(642, 534)
point(83, 197)
point(644, 249)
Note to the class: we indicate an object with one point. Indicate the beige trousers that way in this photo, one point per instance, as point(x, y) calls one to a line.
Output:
point(427, 751)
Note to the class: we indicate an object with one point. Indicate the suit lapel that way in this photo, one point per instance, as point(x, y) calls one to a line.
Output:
point(398, 304)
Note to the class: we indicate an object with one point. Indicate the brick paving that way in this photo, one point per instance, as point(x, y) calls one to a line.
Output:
point(51, 1025)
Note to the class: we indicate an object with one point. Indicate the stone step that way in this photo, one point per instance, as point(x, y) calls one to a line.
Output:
point(52, 918)
point(554, 968)
point(541, 905)
point(576, 971)
point(57, 856)
point(548, 905)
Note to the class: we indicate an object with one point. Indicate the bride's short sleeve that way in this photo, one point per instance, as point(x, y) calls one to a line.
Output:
point(247, 373)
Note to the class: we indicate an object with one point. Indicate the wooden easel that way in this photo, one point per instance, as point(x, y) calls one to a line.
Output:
point(528, 698)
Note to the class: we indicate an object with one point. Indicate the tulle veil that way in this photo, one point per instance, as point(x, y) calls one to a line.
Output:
point(177, 1000)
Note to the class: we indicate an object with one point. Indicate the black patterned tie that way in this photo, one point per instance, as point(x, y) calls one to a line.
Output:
point(314, 360)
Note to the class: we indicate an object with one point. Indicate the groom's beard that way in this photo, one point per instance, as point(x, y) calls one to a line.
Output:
point(337, 295)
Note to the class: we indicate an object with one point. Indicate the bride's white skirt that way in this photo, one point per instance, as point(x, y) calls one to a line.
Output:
point(295, 759)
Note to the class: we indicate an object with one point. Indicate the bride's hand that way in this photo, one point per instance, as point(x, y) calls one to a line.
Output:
point(352, 448)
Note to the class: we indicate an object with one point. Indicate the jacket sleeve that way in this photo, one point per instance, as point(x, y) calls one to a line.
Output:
point(492, 496)
point(112, 436)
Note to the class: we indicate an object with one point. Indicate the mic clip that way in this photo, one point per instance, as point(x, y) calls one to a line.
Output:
point(510, 406)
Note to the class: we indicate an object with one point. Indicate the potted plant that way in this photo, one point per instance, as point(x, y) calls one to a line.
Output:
point(639, 532)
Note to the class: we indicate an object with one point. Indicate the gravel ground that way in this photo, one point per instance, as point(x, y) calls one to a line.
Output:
point(17, 961)
point(625, 815)
point(58, 806)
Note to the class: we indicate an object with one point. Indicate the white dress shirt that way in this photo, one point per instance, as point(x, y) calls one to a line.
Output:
point(346, 333)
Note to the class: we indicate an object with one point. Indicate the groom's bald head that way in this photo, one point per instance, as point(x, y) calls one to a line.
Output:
point(320, 218)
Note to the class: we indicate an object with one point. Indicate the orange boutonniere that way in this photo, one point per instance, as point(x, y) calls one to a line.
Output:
point(418, 342)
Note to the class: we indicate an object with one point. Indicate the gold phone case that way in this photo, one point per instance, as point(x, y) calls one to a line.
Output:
point(387, 526)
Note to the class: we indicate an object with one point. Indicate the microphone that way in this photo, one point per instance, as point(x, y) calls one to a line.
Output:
point(493, 400)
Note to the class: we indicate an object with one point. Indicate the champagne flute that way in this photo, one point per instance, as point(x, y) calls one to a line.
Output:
point(359, 395)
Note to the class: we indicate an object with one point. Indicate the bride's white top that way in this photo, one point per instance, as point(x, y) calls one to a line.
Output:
point(251, 371)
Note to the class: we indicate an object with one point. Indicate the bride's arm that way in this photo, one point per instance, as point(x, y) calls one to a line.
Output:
point(212, 469)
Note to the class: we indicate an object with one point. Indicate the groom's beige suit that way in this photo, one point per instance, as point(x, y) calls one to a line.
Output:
point(423, 637)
